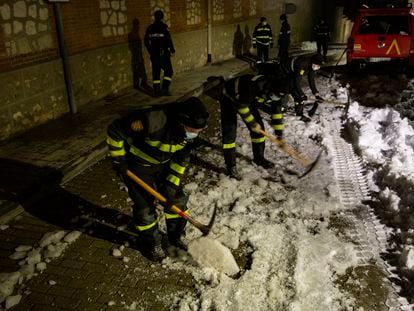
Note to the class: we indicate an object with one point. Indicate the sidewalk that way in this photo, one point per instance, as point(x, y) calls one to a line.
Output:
point(73, 142)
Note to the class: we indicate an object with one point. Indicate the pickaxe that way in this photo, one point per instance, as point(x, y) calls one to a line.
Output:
point(205, 229)
point(309, 165)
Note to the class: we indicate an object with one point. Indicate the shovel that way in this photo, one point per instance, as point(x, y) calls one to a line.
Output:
point(309, 165)
point(205, 229)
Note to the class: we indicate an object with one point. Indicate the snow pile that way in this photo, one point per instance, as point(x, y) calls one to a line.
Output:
point(221, 258)
point(385, 139)
point(32, 261)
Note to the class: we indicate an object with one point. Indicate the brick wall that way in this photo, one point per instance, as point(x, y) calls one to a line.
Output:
point(100, 35)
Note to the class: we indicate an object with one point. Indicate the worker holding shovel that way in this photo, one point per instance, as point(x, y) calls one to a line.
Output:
point(244, 95)
point(154, 145)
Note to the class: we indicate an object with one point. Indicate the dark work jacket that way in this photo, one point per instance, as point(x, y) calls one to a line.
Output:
point(150, 138)
point(322, 32)
point(284, 35)
point(298, 67)
point(262, 35)
point(158, 40)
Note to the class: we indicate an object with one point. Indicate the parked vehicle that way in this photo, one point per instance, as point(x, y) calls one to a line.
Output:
point(382, 34)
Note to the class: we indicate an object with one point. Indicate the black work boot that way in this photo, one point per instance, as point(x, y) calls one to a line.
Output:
point(299, 109)
point(233, 173)
point(312, 111)
point(258, 156)
point(175, 231)
point(157, 90)
point(151, 245)
point(166, 88)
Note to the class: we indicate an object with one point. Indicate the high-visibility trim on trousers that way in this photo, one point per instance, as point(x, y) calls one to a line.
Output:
point(174, 216)
point(229, 146)
point(117, 153)
point(146, 227)
point(258, 140)
point(173, 179)
point(114, 143)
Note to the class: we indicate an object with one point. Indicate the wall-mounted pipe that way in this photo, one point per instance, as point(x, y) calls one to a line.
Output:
point(209, 21)
point(65, 58)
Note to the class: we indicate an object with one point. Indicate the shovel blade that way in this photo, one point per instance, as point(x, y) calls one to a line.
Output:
point(311, 166)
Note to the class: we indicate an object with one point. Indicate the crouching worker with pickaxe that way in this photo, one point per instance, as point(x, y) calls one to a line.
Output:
point(244, 95)
point(154, 145)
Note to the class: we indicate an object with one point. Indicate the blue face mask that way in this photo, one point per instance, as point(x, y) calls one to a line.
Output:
point(189, 136)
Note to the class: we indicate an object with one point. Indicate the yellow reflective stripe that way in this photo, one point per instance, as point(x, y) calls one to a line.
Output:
point(164, 147)
point(173, 179)
point(114, 143)
point(301, 72)
point(260, 100)
point(177, 168)
point(279, 127)
point(117, 153)
point(257, 77)
point(244, 110)
point(135, 151)
point(258, 140)
point(156, 81)
point(277, 116)
point(167, 78)
point(229, 146)
point(173, 216)
point(250, 118)
point(146, 227)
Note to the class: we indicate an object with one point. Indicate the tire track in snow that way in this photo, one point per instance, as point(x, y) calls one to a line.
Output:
point(368, 232)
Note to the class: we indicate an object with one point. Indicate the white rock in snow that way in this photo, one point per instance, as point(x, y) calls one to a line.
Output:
point(407, 257)
point(211, 253)
point(18, 255)
point(23, 248)
point(51, 238)
point(11, 301)
point(3, 227)
point(41, 266)
point(51, 282)
point(111, 303)
point(34, 257)
point(116, 252)
point(7, 283)
point(72, 236)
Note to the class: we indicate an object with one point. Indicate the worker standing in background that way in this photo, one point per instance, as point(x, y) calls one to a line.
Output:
point(322, 37)
point(284, 38)
point(262, 40)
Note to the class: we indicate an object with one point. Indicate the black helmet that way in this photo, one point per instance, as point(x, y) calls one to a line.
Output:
point(283, 17)
point(262, 19)
point(192, 113)
point(317, 59)
point(158, 15)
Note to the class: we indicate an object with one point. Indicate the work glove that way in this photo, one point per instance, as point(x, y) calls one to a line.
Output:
point(254, 46)
point(255, 127)
point(120, 165)
point(319, 98)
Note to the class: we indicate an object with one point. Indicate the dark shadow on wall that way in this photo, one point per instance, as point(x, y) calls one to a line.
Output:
point(238, 42)
point(247, 42)
point(135, 44)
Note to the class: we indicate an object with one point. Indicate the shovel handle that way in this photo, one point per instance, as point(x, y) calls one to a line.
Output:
point(286, 148)
point(203, 228)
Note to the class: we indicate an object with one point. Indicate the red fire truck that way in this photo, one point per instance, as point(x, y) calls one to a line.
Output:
point(382, 34)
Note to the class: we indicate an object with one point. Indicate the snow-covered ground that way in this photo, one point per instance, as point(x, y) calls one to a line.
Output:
point(281, 242)
point(284, 224)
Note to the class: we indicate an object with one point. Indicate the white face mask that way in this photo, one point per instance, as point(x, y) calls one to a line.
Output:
point(315, 67)
point(189, 136)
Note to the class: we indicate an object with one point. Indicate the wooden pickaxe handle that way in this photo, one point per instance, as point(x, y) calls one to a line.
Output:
point(287, 148)
point(205, 229)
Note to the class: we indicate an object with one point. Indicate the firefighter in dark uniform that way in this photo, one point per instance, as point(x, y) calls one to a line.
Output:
point(160, 47)
point(243, 95)
point(284, 38)
point(155, 144)
point(297, 67)
point(322, 37)
point(262, 40)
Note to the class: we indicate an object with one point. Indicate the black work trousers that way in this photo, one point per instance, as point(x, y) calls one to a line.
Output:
point(161, 62)
point(229, 131)
point(322, 45)
point(144, 209)
point(262, 53)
